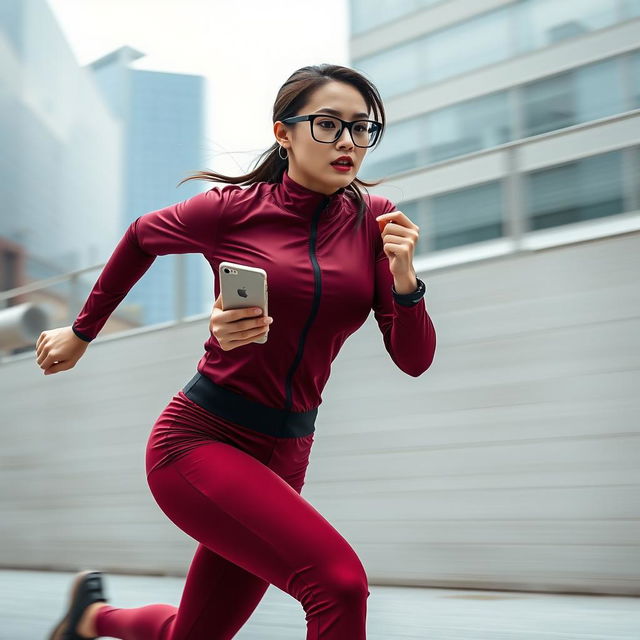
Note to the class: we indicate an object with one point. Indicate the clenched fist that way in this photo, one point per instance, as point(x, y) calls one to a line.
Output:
point(59, 350)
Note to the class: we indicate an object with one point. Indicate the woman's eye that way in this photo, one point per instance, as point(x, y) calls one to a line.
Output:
point(328, 122)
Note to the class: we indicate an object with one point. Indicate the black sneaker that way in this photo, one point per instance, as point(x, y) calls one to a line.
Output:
point(86, 589)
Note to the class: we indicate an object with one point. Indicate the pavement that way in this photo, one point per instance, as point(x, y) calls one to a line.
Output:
point(31, 602)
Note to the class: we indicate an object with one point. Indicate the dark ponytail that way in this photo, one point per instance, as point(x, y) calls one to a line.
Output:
point(292, 96)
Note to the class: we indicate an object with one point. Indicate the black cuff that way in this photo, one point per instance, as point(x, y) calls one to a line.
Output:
point(81, 335)
point(410, 299)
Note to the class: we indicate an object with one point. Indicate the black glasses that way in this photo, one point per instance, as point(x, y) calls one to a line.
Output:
point(328, 129)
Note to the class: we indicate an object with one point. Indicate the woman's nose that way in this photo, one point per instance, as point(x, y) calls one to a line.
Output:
point(347, 133)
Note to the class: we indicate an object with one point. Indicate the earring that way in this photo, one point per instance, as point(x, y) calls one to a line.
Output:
point(280, 149)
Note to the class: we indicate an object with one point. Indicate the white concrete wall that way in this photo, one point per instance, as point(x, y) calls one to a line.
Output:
point(511, 464)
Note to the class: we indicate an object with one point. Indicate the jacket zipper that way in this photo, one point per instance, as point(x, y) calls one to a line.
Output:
point(316, 303)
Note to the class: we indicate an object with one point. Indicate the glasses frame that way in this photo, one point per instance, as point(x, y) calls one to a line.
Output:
point(343, 123)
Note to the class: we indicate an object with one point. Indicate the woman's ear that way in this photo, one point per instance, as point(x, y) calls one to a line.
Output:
point(281, 134)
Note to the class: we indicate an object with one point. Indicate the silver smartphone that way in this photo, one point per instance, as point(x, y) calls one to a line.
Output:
point(242, 286)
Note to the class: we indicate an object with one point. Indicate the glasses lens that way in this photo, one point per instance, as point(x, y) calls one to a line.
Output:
point(326, 129)
point(364, 132)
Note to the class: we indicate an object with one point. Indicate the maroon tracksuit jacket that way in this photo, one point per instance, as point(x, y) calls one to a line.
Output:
point(324, 278)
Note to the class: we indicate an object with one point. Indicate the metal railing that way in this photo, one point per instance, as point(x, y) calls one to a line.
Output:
point(21, 328)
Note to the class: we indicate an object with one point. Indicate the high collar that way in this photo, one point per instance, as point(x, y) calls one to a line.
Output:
point(299, 199)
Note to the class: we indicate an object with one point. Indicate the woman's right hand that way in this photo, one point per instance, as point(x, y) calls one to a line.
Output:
point(59, 350)
point(236, 327)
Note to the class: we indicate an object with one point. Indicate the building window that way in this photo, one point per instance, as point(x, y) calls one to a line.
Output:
point(541, 23)
point(366, 15)
point(397, 70)
point(575, 191)
point(466, 216)
point(468, 45)
point(468, 126)
point(588, 93)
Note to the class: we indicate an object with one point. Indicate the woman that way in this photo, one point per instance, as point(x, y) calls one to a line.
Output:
point(226, 459)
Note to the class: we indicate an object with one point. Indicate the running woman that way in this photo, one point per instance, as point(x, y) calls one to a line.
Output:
point(226, 458)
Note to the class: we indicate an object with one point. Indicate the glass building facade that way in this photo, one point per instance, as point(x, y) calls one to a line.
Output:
point(163, 117)
point(505, 121)
point(59, 153)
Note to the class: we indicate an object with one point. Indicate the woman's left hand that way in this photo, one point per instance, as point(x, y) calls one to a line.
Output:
point(400, 238)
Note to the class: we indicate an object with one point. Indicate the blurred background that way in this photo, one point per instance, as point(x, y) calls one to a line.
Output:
point(512, 140)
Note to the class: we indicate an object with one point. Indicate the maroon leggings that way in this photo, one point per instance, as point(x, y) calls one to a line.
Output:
point(237, 492)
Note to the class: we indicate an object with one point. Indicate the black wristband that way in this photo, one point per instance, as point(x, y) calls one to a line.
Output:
point(410, 299)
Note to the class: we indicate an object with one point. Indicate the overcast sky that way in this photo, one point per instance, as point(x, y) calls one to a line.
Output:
point(246, 49)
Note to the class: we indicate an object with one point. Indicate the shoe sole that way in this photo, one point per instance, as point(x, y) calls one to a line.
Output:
point(60, 629)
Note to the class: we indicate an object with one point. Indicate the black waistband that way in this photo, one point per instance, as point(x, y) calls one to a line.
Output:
point(249, 413)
